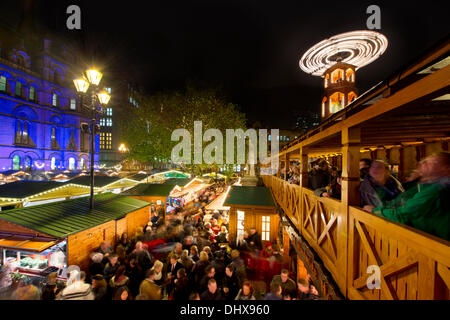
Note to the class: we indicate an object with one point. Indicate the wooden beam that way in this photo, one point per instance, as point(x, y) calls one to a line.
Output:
point(425, 86)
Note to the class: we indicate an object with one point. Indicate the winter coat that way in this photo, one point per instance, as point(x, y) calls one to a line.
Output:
point(289, 287)
point(78, 290)
point(233, 285)
point(318, 179)
point(150, 289)
point(375, 194)
point(425, 207)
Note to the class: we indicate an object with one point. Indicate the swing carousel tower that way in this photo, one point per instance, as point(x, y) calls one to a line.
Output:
point(336, 60)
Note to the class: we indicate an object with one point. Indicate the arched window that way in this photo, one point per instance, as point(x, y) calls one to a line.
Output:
point(71, 164)
point(54, 164)
point(327, 80)
point(32, 94)
point(18, 88)
point(28, 163)
point(16, 162)
point(2, 83)
point(336, 102)
point(82, 163)
point(55, 100)
point(350, 75)
point(351, 97)
point(337, 75)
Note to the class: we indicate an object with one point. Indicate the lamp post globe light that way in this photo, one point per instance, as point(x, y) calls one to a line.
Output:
point(87, 85)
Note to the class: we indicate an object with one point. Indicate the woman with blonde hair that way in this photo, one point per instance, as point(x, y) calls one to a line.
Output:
point(158, 268)
point(198, 270)
point(194, 253)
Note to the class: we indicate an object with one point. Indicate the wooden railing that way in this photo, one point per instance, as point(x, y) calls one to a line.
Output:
point(413, 265)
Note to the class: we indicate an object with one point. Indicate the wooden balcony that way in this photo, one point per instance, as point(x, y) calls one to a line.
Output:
point(413, 264)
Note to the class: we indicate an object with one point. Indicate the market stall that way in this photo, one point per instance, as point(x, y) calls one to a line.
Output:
point(252, 207)
point(71, 226)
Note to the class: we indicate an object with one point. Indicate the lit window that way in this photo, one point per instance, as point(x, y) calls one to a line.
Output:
point(265, 228)
point(102, 122)
point(32, 93)
point(108, 90)
point(109, 112)
point(108, 140)
point(240, 223)
point(3, 83)
point(71, 164)
point(109, 122)
point(55, 100)
point(102, 140)
point(269, 137)
point(73, 104)
point(18, 88)
point(16, 162)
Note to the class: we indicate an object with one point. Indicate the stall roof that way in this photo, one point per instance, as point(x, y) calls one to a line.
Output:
point(250, 196)
point(181, 182)
point(138, 176)
point(99, 181)
point(60, 219)
point(23, 189)
point(150, 189)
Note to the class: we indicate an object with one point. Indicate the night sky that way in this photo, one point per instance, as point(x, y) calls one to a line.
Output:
point(249, 48)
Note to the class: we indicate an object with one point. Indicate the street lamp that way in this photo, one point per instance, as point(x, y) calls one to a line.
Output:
point(87, 85)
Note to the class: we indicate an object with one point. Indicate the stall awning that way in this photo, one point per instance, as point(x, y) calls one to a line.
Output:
point(217, 203)
point(25, 245)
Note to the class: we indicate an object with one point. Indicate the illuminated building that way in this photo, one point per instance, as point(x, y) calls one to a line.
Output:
point(40, 112)
point(336, 61)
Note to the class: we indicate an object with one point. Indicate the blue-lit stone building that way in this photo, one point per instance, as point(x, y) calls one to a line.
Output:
point(40, 113)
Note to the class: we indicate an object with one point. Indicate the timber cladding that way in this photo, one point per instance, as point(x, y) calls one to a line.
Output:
point(81, 244)
point(253, 218)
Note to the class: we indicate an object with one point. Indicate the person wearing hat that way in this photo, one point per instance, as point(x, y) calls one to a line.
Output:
point(50, 289)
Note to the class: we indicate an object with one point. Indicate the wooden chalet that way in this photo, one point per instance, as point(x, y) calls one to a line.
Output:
point(252, 207)
point(83, 230)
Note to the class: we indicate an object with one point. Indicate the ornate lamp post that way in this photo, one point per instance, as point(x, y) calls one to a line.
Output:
point(91, 79)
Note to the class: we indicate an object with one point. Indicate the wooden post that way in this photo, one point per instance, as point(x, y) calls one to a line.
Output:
point(286, 165)
point(303, 168)
point(351, 139)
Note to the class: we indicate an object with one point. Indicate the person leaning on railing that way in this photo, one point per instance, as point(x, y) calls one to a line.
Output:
point(379, 186)
point(333, 190)
point(425, 206)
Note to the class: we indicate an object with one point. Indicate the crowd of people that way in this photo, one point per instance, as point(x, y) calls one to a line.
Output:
point(188, 257)
point(421, 201)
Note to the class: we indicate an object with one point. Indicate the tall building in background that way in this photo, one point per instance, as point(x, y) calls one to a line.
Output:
point(124, 96)
point(40, 112)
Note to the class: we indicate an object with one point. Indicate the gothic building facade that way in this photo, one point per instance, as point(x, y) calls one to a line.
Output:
point(40, 112)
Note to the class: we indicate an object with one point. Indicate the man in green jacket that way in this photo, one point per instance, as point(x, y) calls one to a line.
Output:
point(426, 206)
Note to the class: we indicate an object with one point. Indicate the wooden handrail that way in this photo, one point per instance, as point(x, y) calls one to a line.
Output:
point(413, 264)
